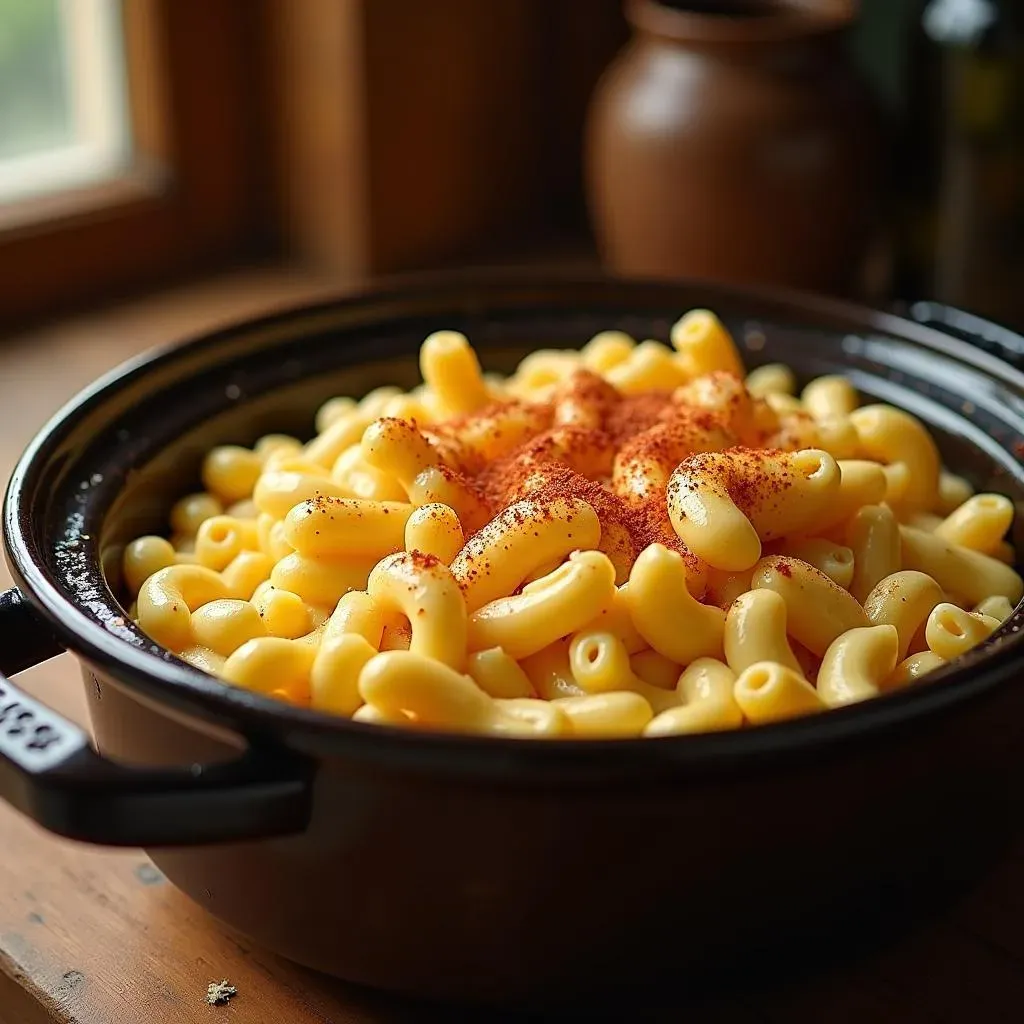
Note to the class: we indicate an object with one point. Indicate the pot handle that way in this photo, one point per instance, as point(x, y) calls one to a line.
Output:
point(49, 771)
point(993, 338)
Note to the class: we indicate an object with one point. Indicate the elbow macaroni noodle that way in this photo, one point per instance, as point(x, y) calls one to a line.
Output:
point(630, 540)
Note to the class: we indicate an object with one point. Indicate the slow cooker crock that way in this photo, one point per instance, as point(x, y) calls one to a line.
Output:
point(483, 868)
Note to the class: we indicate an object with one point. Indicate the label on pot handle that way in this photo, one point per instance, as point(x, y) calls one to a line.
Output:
point(35, 738)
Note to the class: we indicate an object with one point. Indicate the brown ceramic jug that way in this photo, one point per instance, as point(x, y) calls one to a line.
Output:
point(731, 140)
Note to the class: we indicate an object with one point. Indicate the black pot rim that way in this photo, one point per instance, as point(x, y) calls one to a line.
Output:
point(177, 685)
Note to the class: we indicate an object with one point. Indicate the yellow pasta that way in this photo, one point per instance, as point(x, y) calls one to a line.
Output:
point(283, 444)
point(168, 598)
point(629, 540)
point(525, 536)
point(398, 447)
point(268, 664)
point(655, 668)
point(143, 557)
point(721, 394)
point(498, 674)
point(893, 437)
point(953, 492)
point(450, 368)
point(600, 664)
point(617, 618)
point(203, 658)
point(437, 484)
point(860, 483)
point(817, 610)
point(538, 373)
point(602, 716)
point(996, 607)
point(220, 539)
point(224, 625)
point(495, 432)
point(704, 345)
point(771, 379)
point(974, 575)
point(551, 607)
point(550, 672)
point(347, 527)
point(873, 536)
point(708, 703)
point(358, 612)
point(912, 669)
point(435, 530)
point(334, 677)
point(767, 692)
point(649, 366)
point(980, 523)
point(641, 468)
point(245, 572)
point(838, 437)
point(279, 490)
point(356, 478)
point(424, 591)
point(433, 693)
point(755, 631)
point(723, 588)
point(319, 581)
point(782, 494)
point(284, 614)
point(230, 472)
point(664, 612)
point(188, 514)
point(829, 397)
point(951, 631)
point(834, 560)
point(373, 402)
point(605, 350)
point(856, 665)
point(904, 600)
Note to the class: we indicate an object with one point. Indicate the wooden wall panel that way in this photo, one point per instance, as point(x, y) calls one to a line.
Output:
point(454, 94)
point(319, 114)
point(413, 134)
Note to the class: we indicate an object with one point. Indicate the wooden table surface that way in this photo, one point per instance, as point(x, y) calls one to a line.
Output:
point(97, 937)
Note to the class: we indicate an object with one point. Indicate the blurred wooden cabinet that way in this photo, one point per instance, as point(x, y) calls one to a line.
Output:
point(413, 134)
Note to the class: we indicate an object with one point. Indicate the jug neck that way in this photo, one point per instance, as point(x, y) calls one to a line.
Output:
point(740, 26)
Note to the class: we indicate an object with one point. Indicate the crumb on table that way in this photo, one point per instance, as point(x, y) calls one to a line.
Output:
point(220, 992)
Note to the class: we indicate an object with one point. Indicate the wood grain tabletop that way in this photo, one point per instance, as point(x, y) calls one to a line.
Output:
point(92, 936)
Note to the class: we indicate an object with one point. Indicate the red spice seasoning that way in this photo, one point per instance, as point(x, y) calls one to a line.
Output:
point(424, 560)
point(584, 428)
point(586, 399)
point(637, 413)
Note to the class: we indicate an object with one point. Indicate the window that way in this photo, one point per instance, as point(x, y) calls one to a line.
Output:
point(62, 116)
point(131, 146)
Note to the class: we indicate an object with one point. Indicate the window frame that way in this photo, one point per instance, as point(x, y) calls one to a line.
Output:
point(197, 193)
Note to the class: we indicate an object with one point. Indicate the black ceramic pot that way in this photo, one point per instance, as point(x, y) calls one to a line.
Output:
point(485, 868)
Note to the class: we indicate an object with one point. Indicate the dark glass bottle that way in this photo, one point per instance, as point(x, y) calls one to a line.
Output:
point(961, 158)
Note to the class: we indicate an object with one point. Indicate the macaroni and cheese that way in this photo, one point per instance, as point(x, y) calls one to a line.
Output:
point(630, 539)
